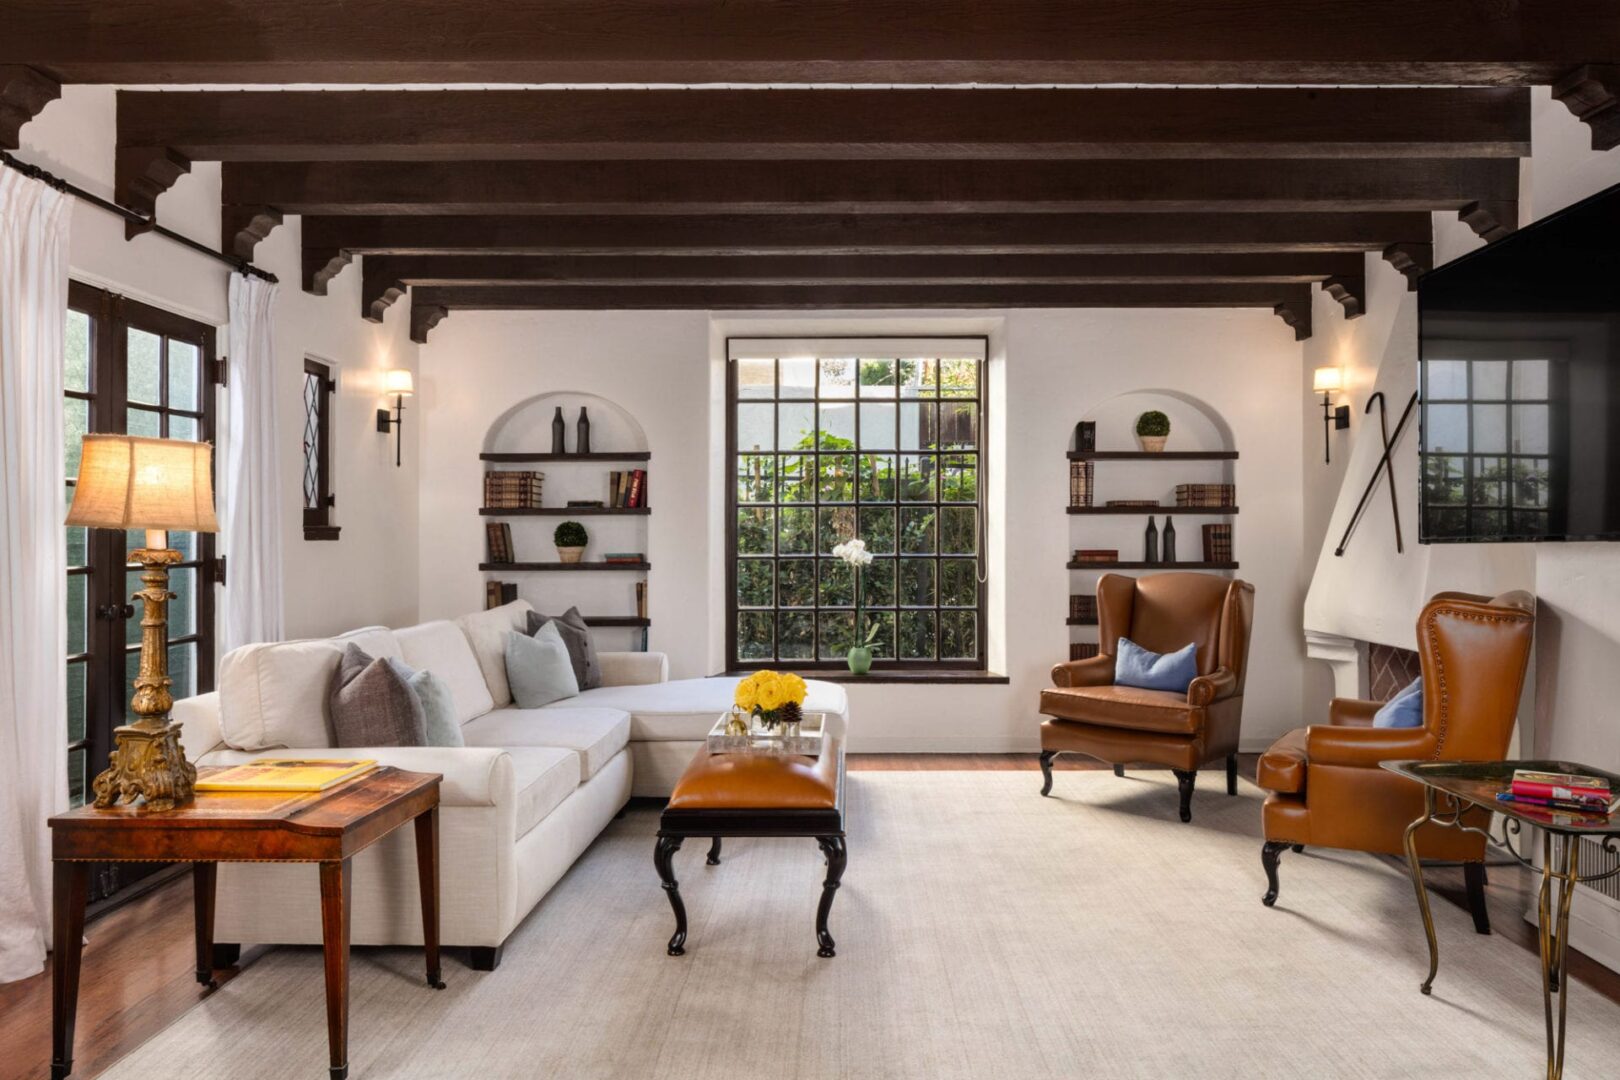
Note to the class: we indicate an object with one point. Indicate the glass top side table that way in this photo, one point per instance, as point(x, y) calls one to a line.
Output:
point(1450, 790)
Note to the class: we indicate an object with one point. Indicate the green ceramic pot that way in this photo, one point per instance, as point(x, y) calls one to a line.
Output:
point(860, 660)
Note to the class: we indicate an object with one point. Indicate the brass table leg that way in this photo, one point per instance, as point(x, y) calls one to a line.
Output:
point(1560, 861)
point(1410, 842)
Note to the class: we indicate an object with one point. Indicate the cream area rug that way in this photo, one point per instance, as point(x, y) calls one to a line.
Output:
point(983, 932)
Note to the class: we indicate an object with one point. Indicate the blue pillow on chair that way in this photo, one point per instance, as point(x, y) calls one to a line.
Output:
point(1136, 666)
point(1404, 710)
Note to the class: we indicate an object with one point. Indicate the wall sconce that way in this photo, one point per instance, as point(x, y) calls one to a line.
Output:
point(397, 381)
point(1327, 380)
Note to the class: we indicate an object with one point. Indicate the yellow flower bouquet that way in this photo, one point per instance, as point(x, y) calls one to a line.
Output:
point(775, 697)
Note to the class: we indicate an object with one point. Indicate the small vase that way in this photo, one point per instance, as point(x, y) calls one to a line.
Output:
point(1150, 543)
point(558, 426)
point(860, 660)
point(570, 554)
point(1153, 444)
point(1169, 534)
point(763, 723)
point(582, 445)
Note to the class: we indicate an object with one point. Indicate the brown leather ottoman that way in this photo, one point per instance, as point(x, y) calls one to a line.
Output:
point(723, 795)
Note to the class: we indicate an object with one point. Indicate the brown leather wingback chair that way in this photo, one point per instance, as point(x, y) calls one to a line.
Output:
point(1124, 725)
point(1326, 787)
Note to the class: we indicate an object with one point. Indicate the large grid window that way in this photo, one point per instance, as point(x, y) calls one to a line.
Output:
point(885, 446)
point(1489, 436)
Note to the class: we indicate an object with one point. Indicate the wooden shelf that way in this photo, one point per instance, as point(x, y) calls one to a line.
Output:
point(1143, 455)
point(1152, 566)
point(628, 455)
point(512, 567)
point(563, 511)
point(616, 620)
point(1074, 620)
point(1208, 511)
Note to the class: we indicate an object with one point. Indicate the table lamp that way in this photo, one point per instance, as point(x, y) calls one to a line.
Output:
point(127, 482)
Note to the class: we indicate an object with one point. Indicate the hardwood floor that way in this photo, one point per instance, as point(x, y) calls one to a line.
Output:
point(138, 958)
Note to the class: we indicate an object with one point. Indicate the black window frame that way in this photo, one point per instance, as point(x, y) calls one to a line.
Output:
point(318, 518)
point(976, 346)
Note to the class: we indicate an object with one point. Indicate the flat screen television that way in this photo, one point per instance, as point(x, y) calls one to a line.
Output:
point(1519, 378)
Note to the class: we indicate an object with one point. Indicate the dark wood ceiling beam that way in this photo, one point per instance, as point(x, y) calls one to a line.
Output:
point(24, 91)
point(715, 124)
point(1290, 302)
point(703, 41)
point(329, 242)
point(386, 277)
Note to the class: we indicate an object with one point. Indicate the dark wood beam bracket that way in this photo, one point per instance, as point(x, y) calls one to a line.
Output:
point(1491, 219)
point(1350, 290)
point(1592, 93)
point(141, 174)
point(321, 263)
point(424, 317)
point(24, 91)
point(1412, 258)
point(1296, 313)
point(243, 226)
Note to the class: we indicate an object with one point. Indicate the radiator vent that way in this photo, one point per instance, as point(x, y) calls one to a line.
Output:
point(1595, 861)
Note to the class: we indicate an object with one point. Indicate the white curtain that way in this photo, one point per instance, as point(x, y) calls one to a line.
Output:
point(252, 522)
point(34, 220)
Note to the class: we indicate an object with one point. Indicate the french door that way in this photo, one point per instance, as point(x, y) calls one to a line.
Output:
point(129, 369)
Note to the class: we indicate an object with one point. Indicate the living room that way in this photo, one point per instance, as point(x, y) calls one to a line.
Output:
point(1102, 342)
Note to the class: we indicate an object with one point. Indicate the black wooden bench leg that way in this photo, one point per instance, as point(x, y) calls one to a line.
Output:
point(663, 859)
point(837, 853)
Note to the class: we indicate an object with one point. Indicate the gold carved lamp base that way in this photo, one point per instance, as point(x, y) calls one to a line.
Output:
point(148, 762)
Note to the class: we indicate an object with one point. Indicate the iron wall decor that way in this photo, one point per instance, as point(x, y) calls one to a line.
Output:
point(1385, 466)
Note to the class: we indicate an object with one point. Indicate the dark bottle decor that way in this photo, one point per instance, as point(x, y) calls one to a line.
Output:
point(1169, 539)
point(558, 426)
point(1150, 552)
point(1085, 435)
point(584, 440)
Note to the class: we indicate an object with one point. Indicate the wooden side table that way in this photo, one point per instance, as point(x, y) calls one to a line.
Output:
point(328, 828)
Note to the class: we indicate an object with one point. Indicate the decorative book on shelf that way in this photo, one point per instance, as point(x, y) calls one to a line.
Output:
point(1096, 555)
point(497, 593)
point(1083, 650)
point(513, 489)
point(1206, 495)
point(1082, 607)
point(1082, 474)
point(617, 557)
point(1143, 503)
point(1218, 542)
point(627, 490)
point(498, 535)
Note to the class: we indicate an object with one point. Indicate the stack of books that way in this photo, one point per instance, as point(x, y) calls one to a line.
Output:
point(499, 536)
point(1206, 495)
point(1096, 555)
point(1084, 650)
point(1083, 607)
point(1561, 791)
point(1218, 542)
point(624, 557)
point(497, 593)
point(627, 490)
point(513, 489)
point(1081, 474)
point(1133, 502)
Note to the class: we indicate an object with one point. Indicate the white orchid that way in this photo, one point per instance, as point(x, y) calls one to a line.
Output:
point(853, 552)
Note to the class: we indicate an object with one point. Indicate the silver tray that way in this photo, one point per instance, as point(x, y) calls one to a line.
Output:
point(807, 743)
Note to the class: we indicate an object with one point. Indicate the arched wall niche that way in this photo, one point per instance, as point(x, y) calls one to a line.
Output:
point(1194, 423)
point(526, 426)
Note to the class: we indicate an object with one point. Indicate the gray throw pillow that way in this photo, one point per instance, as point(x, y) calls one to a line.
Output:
point(538, 668)
point(372, 705)
point(437, 704)
point(577, 636)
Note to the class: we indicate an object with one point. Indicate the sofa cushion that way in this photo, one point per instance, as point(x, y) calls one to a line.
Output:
point(577, 636)
point(377, 641)
point(594, 734)
point(1282, 767)
point(543, 776)
point(372, 703)
point(273, 694)
point(684, 710)
point(441, 647)
point(538, 668)
point(438, 704)
point(486, 632)
point(1123, 707)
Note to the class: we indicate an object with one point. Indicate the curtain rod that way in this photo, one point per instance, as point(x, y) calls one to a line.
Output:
point(145, 223)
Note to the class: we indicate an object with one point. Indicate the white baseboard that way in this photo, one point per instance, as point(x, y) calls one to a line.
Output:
point(1594, 926)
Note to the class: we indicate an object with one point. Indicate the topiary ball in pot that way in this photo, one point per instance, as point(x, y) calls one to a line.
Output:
point(1152, 430)
point(570, 539)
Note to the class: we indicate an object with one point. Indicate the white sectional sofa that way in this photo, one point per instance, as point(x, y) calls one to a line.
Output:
point(519, 803)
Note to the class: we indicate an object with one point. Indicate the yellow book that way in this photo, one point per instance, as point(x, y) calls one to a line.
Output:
point(285, 774)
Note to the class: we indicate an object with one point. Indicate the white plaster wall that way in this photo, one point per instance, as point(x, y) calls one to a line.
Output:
point(370, 574)
point(1048, 370)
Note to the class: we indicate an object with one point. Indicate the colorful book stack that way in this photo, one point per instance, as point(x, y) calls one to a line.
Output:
point(1561, 791)
point(627, 490)
point(1081, 474)
point(497, 593)
point(1218, 542)
point(513, 489)
point(1096, 555)
point(1083, 607)
point(498, 534)
point(1083, 650)
point(1206, 495)
point(624, 557)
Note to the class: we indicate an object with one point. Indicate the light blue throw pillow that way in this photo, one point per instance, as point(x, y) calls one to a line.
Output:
point(1404, 710)
point(1136, 666)
point(440, 708)
point(539, 668)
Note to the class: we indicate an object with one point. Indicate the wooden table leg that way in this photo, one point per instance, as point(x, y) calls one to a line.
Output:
point(837, 854)
point(203, 878)
point(427, 872)
point(664, 860)
point(70, 888)
point(336, 882)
